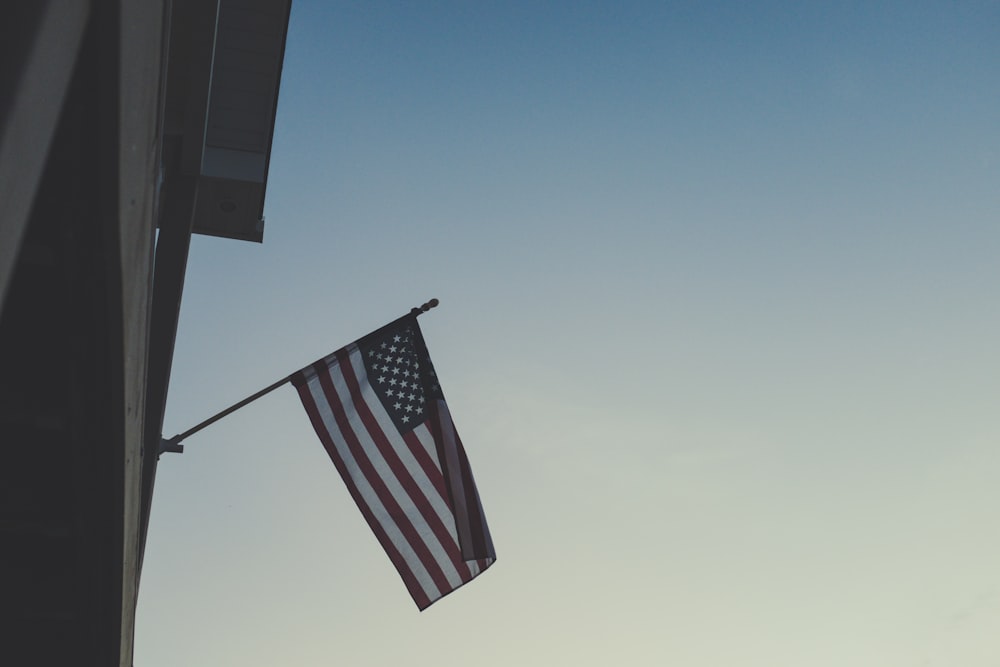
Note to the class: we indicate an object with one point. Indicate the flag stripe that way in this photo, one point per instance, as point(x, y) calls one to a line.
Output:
point(397, 451)
point(424, 564)
point(482, 542)
point(420, 443)
point(381, 516)
point(413, 463)
point(450, 460)
point(326, 435)
point(415, 441)
point(415, 496)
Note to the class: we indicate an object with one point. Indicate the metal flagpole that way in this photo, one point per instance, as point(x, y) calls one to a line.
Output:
point(173, 444)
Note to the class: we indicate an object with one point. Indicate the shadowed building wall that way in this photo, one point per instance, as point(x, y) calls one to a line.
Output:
point(90, 166)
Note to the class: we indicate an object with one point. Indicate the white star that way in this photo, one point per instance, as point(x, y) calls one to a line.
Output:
point(393, 382)
point(397, 405)
point(394, 349)
point(405, 419)
point(381, 379)
point(412, 397)
point(409, 408)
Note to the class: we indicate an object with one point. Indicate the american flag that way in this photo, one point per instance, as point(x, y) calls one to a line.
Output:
point(381, 415)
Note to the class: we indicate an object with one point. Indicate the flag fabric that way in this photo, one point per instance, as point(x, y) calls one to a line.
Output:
point(378, 409)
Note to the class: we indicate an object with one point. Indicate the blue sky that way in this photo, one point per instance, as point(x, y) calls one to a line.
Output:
point(718, 328)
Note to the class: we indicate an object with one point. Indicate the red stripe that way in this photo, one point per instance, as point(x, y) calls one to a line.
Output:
point(427, 464)
point(437, 480)
point(404, 524)
point(398, 468)
point(446, 441)
point(477, 520)
point(469, 518)
point(323, 431)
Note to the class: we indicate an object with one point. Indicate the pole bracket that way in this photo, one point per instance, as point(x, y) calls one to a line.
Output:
point(171, 445)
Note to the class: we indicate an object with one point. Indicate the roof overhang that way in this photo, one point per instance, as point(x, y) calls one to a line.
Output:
point(222, 94)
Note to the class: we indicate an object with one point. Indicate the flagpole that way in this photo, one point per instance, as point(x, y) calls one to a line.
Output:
point(173, 444)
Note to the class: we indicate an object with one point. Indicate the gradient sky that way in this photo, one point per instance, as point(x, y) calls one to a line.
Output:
point(719, 326)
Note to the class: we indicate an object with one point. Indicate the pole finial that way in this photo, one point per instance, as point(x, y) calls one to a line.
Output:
point(433, 303)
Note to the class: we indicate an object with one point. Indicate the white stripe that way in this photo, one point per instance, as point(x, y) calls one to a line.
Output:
point(382, 468)
point(368, 494)
point(413, 466)
point(423, 434)
point(426, 486)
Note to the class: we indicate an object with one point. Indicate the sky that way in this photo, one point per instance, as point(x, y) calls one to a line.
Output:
point(718, 327)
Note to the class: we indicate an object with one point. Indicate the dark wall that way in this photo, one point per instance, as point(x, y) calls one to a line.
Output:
point(61, 438)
